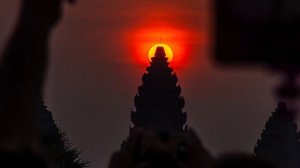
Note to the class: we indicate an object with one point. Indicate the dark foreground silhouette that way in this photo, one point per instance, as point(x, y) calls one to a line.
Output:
point(28, 135)
point(149, 149)
point(241, 161)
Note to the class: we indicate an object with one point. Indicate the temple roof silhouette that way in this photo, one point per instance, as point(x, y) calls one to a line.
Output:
point(159, 102)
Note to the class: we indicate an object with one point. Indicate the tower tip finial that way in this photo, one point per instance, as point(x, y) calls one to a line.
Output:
point(160, 39)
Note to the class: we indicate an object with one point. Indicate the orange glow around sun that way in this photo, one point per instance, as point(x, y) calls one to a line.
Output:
point(168, 23)
point(143, 39)
point(168, 51)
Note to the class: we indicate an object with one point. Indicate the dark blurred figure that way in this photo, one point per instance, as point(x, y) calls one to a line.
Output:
point(255, 31)
point(22, 71)
point(147, 149)
point(241, 161)
point(23, 158)
point(267, 33)
point(261, 32)
point(23, 68)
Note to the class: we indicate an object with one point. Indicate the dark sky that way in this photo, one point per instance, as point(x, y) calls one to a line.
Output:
point(94, 74)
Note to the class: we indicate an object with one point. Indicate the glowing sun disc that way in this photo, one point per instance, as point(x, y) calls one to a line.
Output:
point(168, 51)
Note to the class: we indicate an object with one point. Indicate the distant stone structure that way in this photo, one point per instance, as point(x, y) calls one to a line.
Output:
point(159, 102)
point(279, 141)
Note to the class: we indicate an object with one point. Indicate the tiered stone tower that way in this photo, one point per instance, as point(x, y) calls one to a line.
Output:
point(159, 102)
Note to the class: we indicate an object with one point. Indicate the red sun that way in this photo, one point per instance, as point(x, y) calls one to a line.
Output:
point(168, 51)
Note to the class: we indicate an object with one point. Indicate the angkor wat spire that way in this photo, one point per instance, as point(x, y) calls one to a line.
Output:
point(159, 102)
point(279, 141)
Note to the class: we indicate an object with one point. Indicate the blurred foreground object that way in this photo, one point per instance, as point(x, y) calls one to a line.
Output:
point(260, 32)
point(241, 161)
point(23, 68)
point(22, 158)
point(256, 31)
point(147, 149)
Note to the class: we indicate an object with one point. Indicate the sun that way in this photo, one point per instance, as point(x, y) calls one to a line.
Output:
point(168, 51)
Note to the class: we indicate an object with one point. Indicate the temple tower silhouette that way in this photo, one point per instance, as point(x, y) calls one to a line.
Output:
point(159, 102)
point(279, 142)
